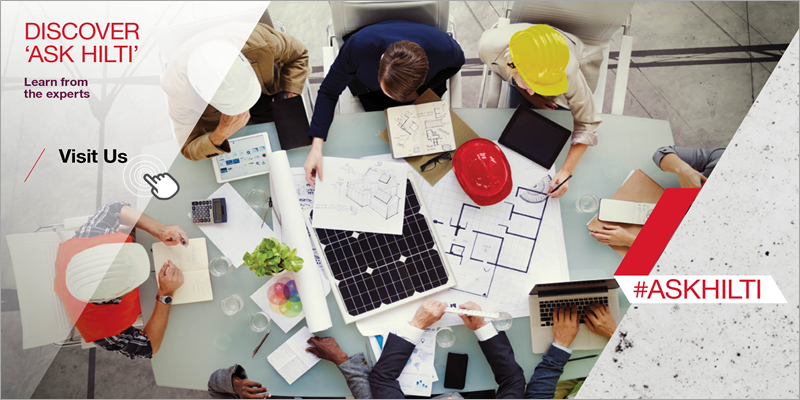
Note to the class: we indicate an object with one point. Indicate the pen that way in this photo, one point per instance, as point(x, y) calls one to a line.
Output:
point(559, 185)
point(259, 345)
point(264, 220)
point(582, 358)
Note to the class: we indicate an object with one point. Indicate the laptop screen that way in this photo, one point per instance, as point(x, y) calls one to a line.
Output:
point(575, 287)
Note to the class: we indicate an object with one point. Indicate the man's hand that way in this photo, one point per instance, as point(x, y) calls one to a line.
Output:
point(599, 320)
point(228, 125)
point(326, 348)
point(313, 165)
point(247, 389)
point(170, 278)
point(566, 325)
point(689, 178)
point(561, 176)
point(172, 235)
point(428, 313)
point(472, 322)
point(288, 95)
point(542, 103)
point(614, 236)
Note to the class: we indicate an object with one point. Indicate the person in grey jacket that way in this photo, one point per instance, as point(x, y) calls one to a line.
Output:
point(232, 383)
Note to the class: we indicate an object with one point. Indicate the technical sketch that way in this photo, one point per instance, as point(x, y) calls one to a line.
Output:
point(408, 138)
point(365, 197)
point(377, 189)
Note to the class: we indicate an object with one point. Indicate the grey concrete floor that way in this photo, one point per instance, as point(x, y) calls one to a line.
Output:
point(704, 95)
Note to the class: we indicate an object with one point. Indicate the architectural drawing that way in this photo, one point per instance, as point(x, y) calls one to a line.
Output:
point(420, 129)
point(377, 189)
point(361, 196)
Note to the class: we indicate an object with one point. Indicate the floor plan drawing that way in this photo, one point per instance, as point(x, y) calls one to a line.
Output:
point(420, 129)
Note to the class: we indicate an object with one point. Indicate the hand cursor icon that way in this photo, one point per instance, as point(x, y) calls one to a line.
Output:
point(164, 186)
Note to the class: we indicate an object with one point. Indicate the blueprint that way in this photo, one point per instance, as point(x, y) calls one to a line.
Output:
point(497, 253)
point(420, 129)
point(363, 196)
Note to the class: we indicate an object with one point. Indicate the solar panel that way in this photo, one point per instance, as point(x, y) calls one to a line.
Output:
point(373, 272)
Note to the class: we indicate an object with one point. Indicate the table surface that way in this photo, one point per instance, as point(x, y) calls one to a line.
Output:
point(201, 339)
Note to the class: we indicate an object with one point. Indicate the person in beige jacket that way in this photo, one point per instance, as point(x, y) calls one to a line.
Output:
point(581, 73)
point(280, 64)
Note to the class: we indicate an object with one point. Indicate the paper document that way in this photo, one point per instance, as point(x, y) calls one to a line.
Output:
point(242, 233)
point(362, 196)
point(291, 359)
point(420, 129)
point(193, 262)
point(280, 299)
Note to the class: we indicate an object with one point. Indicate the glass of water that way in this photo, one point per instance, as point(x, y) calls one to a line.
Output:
point(504, 322)
point(445, 337)
point(259, 321)
point(232, 304)
point(220, 266)
point(587, 203)
point(257, 198)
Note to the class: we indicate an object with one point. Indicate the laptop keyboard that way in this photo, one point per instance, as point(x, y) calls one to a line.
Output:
point(548, 307)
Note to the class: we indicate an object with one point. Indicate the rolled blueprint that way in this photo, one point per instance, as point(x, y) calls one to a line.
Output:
point(295, 235)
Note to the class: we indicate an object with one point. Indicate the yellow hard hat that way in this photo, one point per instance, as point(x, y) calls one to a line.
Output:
point(540, 54)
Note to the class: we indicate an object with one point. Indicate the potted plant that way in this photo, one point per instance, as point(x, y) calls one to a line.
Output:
point(271, 257)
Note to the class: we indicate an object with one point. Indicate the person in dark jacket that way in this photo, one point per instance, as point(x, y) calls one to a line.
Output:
point(386, 65)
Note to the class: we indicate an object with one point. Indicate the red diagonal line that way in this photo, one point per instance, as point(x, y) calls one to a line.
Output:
point(656, 233)
point(34, 165)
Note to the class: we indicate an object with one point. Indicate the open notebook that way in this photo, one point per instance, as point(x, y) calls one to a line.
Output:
point(193, 262)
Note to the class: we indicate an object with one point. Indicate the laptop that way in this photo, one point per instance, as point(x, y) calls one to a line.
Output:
point(545, 298)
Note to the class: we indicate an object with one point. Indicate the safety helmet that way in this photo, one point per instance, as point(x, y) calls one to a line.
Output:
point(107, 271)
point(483, 171)
point(540, 54)
point(223, 77)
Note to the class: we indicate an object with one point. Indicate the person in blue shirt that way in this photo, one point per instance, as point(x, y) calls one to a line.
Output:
point(386, 64)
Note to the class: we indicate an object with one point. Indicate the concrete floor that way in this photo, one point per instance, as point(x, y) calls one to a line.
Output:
point(704, 95)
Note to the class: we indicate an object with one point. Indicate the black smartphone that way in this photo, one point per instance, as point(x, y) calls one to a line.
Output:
point(455, 373)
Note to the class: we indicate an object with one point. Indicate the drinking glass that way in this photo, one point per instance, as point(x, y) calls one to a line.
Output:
point(587, 203)
point(504, 322)
point(219, 266)
point(445, 337)
point(257, 198)
point(232, 304)
point(259, 321)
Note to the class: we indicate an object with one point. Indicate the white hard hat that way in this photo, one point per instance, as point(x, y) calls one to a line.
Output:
point(223, 77)
point(107, 271)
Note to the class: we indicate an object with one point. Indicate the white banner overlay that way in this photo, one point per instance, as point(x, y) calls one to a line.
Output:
point(700, 289)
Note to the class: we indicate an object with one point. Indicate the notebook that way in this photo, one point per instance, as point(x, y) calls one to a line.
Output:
point(420, 129)
point(291, 359)
point(462, 132)
point(638, 187)
point(193, 262)
point(291, 122)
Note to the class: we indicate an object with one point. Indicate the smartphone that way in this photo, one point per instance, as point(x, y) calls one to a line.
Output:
point(624, 212)
point(455, 373)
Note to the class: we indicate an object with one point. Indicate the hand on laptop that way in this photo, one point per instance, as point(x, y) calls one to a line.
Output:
point(599, 320)
point(472, 322)
point(428, 313)
point(566, 325)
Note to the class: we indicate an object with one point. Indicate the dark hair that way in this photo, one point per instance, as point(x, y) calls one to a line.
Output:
point(403, 69)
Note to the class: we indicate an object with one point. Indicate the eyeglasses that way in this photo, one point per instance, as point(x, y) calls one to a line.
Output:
point(443, 158)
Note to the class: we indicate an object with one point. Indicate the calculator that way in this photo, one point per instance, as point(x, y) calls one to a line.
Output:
point(209, 211)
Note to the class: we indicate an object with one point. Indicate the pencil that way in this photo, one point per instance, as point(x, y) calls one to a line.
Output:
point(262, 342)
point(582, 358)
point(559, 185)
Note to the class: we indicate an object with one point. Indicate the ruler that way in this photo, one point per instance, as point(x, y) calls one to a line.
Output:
point(473, 313)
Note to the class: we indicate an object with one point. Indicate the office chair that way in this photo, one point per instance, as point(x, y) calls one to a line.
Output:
point(594, 22)
point(350, 16)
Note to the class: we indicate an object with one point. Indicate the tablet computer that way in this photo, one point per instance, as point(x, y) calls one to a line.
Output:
point(248, 157)
point(534, 136)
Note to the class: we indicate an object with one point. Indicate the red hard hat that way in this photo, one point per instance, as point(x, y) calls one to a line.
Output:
point(483, 171)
